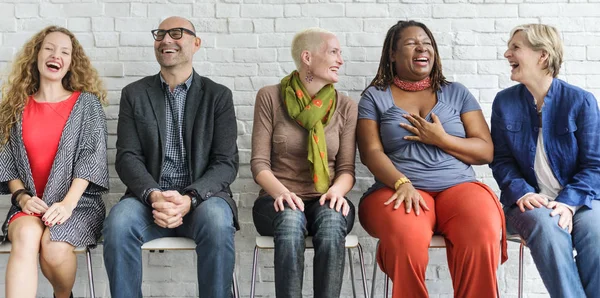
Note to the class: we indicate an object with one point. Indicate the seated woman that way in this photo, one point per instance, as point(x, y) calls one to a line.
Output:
point(52, 160)
point(419, 135)
point(547, 164)
point(303, 150)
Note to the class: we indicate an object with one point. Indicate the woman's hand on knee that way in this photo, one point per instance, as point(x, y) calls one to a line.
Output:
point(291, 199)
point(32, 205)
point(57, 214)
point(532, 201)
point(410, 196)
point(336, 200)
point(566, 215)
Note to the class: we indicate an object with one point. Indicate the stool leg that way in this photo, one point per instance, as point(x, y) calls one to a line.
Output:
point(361, 256)
point(521, 253)
point(373, 281)
point(88, 256)
point(351, 272)
point(387, 284)
point(235, 290)
point(253, 282)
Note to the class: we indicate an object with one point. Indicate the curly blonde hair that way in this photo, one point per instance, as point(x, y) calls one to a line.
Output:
point(24, 79)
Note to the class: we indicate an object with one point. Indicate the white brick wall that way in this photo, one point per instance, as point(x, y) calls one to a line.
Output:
point(246, 45)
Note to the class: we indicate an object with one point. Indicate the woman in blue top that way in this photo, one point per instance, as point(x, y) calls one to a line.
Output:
point(546, 161)
point(419, 135)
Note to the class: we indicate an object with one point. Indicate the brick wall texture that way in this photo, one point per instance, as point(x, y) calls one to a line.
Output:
point(246, 46)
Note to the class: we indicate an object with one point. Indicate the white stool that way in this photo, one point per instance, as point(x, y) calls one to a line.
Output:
point(266, 242)
point(6, 246)
point(181, 243)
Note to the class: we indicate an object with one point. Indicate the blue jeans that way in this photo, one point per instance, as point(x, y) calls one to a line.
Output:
point(289, 228)
point(552, 249)
point(130, 224)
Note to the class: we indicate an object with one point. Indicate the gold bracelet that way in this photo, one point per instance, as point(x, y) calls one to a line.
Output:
point(401, 181)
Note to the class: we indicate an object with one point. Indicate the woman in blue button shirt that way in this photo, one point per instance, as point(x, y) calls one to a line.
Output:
point(546, 137)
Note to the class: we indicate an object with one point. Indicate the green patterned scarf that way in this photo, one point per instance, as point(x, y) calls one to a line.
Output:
point(312, 114)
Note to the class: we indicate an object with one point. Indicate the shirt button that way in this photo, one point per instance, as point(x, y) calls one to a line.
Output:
point(509, 127)
point(535, 129)
point(532, 149)
point(566, 129)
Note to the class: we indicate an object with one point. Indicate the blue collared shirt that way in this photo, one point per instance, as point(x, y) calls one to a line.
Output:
point(571, 121)
point(175, 174)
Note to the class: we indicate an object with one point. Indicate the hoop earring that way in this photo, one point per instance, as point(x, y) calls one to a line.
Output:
point(309, 76)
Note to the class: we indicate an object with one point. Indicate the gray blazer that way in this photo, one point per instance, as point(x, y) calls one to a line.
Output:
point(210, 138)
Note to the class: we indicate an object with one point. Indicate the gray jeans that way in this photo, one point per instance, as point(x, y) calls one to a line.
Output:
point(289, 228)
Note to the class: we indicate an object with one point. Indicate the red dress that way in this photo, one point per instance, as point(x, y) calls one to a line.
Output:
point(43, 123)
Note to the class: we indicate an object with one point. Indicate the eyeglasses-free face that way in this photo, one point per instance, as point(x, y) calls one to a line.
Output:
point(175, 33)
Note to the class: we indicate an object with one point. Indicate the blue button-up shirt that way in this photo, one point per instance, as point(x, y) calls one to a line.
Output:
point(571, 121)
point(175, 174)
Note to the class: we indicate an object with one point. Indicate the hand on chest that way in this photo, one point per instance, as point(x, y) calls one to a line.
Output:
point(411, 110)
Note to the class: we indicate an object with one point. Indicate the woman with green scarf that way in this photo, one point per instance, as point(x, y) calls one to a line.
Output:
point(303, 150)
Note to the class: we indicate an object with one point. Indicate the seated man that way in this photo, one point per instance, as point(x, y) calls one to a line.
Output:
point(177, 155)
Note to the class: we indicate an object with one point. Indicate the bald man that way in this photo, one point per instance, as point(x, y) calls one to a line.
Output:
point(177, 155)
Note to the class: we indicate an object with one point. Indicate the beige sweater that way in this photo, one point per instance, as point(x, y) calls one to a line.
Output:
point(279, 144)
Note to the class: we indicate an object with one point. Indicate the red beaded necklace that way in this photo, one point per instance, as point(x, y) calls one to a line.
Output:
point(412, 86)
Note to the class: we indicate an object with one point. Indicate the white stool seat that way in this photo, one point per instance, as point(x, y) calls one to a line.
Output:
point(181, 243)
point(437, 241)
point(266, 242)
point(170, 243)
point(514, 238)
point(6, 247)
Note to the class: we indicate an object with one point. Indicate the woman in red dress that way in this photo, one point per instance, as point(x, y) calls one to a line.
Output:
point(52, 160)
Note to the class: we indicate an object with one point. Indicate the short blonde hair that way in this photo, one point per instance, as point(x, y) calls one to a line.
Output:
point(307, 40)
point(544, 38)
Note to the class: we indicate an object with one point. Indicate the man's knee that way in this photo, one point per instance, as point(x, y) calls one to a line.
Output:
point(214, 218)
point(215, 213)
point(123, 219)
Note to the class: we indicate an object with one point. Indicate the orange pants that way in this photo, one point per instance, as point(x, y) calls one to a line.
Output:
point(468, 215)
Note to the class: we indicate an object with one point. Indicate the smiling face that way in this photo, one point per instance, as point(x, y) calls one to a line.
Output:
point(414, 56)
point(172, 53)
point(54, 56)
point(526, 64)
point(327, 60)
